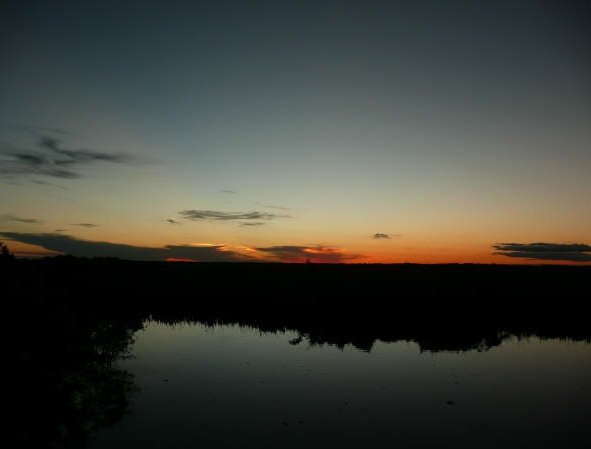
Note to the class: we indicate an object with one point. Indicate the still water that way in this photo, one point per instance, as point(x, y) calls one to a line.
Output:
point(235, 387)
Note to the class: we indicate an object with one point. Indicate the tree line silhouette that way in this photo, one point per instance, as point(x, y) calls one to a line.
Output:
point(5, 255)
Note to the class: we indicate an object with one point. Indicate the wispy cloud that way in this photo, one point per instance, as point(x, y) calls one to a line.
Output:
point(53, 159)
point(317, 254)
point(173, 222)
point(85, 225)
point(66, 244)
point(195, 215)
point(9, 182)
point(572, 252)
point(229, 191)
point(252, 224)
point(81, 155)
point(46, 183)
point(27, 163)
point(380, 236)
point(14, 218)
point(274, 206)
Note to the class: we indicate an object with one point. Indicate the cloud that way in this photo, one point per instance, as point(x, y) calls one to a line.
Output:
point(85, 225)
point(231, 192)
point(173, 222)
point(79, 156)
point(195, 215)
point(60, 230)
point(573, 252)
point(23, 164)
point(53, 159)
point(379, 236)
point(84, 248)
point(252, 224)
point(12, 183)
point(45, 183)
point(274, 206)
point(14, 218)
point(317, 254)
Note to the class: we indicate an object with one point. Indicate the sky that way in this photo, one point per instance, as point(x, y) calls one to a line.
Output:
point(334, 131)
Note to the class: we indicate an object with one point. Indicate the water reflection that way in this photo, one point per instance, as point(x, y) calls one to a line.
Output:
point(67, 379)
point(241, 378)
point(432, 328)
point(232, 386)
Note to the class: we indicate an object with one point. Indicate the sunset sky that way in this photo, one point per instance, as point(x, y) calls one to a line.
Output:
point(335, 131)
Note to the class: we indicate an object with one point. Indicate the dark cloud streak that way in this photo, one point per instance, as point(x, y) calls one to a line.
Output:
point(195, 215)
point(79, 156)
point(318, 254)
point(572, 252)
point(85, 225)
point(14, 218)
point(54, 160)
point(84, 248)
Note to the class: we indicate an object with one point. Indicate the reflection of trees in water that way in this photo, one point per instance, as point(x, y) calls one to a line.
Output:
point(362, 327)
point(67, 378)
point(69, 383)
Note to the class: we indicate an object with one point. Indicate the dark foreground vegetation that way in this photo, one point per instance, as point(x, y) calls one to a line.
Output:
point(72, 319)
point(70, 276)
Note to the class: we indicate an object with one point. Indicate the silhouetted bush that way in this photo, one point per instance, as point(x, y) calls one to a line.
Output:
point(5, 254)
point(67, 377)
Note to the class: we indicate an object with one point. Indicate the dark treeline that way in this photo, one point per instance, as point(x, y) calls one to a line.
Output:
point(67, 275)
point(441, 307)
point(451, 307)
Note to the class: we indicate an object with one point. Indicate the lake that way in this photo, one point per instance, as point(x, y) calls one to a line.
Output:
point(230, 386)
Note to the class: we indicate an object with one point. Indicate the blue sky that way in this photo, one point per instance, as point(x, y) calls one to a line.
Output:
point(450, 125)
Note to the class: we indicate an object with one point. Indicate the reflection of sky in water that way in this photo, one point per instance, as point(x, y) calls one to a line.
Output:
point(235, 387)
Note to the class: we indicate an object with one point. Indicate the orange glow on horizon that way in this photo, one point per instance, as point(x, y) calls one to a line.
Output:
point(416, 254)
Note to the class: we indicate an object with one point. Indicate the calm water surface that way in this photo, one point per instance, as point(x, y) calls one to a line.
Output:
point(235, 387)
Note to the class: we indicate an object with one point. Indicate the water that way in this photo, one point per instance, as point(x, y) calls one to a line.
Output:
point(235, 387)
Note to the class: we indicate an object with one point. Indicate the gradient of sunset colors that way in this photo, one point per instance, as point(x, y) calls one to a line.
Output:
point(329, 131)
